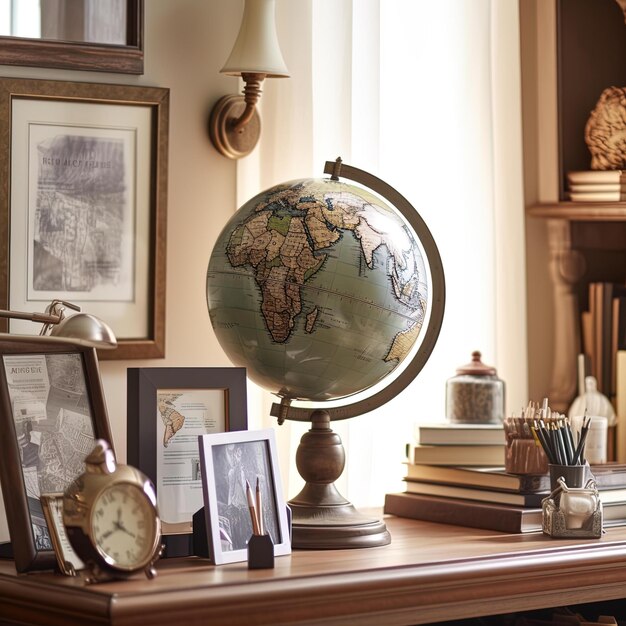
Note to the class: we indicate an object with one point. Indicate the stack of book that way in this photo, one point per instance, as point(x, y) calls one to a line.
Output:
point(484, 495)
point(597, 186)
point(603, 323)
point(458, 444)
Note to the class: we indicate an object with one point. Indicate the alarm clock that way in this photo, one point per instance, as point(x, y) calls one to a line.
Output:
point(111, 518)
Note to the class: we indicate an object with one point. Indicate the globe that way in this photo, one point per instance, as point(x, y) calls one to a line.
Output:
point(327, 292)
point(319, 288)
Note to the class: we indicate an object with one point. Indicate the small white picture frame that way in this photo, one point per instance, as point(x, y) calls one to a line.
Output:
point(229, 460)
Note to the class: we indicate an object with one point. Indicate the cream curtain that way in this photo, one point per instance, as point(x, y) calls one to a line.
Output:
point(98, 21)
point(426, 96)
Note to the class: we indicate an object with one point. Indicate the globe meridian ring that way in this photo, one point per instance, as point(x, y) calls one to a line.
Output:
point(285, 337)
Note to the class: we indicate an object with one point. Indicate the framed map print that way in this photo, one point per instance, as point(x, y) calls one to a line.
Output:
point(87, 165)
point(168, 408)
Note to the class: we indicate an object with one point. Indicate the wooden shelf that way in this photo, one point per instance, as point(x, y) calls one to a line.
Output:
point(581, 211)
point(429, 573)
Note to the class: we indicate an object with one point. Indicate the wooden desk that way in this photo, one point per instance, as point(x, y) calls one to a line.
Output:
point(429, 573)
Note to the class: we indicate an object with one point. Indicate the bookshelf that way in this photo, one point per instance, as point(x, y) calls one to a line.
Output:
point(580, 211)
point(571, 50)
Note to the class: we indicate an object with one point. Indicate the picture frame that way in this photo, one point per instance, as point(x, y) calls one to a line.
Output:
point(52, 409)
point(68, 561)
point(188, 401)
point(125, 58)
point(226, 459)
point(85, 195)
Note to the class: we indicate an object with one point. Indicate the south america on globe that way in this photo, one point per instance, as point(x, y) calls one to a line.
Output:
point(319, 288)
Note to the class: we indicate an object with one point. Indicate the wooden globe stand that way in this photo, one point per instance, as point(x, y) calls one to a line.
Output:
point(322, 517)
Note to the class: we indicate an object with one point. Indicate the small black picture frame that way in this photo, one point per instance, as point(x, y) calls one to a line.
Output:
point(155, 397)
point(52, 409)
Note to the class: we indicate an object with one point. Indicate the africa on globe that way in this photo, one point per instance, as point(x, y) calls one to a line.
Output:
point(318, 287)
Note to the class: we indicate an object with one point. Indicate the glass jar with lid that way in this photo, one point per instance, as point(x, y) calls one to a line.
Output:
point(475, 394)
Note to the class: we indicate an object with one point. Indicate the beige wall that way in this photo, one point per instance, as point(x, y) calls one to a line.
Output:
point(186, 43)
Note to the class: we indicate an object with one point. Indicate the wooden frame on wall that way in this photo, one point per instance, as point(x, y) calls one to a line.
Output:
point(87, 165)
point(52, 409)
point(73, 55)
point(167, 408)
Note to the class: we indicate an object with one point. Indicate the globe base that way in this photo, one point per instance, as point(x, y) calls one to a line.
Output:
point(335, 528)
point(322, 519)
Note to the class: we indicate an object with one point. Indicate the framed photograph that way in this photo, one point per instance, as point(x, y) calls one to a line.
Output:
point(231, 462)
point(52, 409)
point(167, 409)
point(68, 561)
point(86, 205)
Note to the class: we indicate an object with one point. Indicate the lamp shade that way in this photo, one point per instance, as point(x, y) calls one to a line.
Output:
point(85, 329)
point(256, 49)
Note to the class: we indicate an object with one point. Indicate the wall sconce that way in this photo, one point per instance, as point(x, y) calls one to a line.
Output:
point(235, 124)
point(81, 328)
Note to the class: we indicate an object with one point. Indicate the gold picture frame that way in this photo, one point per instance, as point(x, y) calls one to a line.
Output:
point(68, 561)
point(84, 194)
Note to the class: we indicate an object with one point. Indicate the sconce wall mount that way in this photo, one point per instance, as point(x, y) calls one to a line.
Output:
point(235, 123)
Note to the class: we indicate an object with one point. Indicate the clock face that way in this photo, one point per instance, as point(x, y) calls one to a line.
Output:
point(123, 525)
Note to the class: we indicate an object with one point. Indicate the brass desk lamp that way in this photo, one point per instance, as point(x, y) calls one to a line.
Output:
point(81, 328)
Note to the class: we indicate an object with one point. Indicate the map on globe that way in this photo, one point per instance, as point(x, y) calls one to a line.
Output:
point(317, 287)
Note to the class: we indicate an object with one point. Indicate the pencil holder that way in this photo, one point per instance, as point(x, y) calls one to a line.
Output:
point(522, 454)
point(572, 511)
point(260, 552)
point(573, 475)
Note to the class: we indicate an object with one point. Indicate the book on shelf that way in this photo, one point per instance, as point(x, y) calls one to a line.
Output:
point(607, 476)
point(593, 187)
point(486, 515)
point(517, 498)
point(601, 310)
point(456, 454)
point(604, 295)
point(598, 196)
point(620, 404)
point(618, 335)
point(597, 177)
point(448, 433)
point(491, 477)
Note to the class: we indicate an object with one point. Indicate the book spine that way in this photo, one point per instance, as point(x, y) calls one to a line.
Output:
point(491, 496)
point(527, 484)
point(448, 512)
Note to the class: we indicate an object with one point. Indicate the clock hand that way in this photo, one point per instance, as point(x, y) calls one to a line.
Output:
point(120, 526)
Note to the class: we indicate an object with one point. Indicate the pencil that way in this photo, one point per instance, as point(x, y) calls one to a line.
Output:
point(259, 507)
point(580, 448)
point(251, 508)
